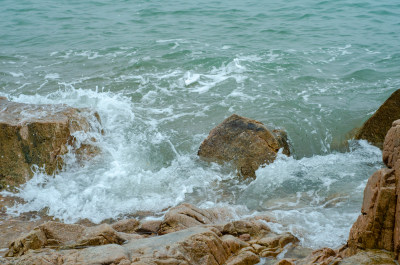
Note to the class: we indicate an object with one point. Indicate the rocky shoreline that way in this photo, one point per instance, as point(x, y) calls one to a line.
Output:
point(187, 234)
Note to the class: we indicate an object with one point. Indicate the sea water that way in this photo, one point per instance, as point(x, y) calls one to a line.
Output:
point(162, 75)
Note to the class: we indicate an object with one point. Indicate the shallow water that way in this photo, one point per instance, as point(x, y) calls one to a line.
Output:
point(163, 75)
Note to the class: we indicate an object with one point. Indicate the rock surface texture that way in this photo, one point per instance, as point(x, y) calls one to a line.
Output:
point(379, 224)
point(375, 128)
point(211, 242)
point(39, 135)
point(247, 143)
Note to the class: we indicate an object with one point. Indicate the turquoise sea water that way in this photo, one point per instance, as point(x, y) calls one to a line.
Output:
point(163, 74)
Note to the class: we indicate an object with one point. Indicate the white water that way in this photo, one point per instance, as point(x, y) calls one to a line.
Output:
point(141, 169)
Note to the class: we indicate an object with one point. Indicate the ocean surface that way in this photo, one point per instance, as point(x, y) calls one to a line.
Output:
point(162, 74)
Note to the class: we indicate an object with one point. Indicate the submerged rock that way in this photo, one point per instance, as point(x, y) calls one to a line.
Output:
point(39, 135)
point(375, 128)
point(247, 143)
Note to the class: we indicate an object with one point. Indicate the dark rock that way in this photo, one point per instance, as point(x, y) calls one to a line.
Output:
point(247, 143)
point(375, 128)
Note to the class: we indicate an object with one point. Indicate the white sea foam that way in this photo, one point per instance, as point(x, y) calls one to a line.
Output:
point(52, 76)
point(124, 178)
point(202, 83)
point(16, 74)
point(314, 198)
point(191, 78)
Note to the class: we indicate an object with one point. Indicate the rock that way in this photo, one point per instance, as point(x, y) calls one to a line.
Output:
point(187, 215)
point(109, 254)
point(126, 226)
point(370, 257)
point(391, 147)
point(374, 228)
point(244, 258)
point(39, 135)
point(322, 256)
point(204, 244)
point(246, 229)
point(56, 235)
point(247, 143)
point(245, 237)
point(286, 262)
point(149, 227)
point(196, 245)
point(375, 128)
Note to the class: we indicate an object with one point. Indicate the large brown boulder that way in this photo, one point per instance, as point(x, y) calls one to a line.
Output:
point(245, 142)
point(375, 128)
point(33, 134)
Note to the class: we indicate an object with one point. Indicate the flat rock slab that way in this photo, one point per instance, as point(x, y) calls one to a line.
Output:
point(38, 135)
point(245, 142)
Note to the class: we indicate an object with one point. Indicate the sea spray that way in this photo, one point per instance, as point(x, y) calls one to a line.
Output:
point(140, 169)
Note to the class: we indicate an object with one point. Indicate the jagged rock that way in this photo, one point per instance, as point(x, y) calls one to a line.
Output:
point(54, 234)
point(247, 143)
point(187, 215)
point(38, 135)
point(203, 244)
point(391, 147)
point(375, 128)
point(374, 228)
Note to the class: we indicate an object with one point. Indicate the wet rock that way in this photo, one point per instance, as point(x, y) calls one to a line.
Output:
point(56, 235)
point(39, 135)
point(375, 128)
point(374, 228)
point(187, 215)
point(247, 143)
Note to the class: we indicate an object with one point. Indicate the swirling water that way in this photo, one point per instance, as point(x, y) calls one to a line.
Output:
point(162, 75)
